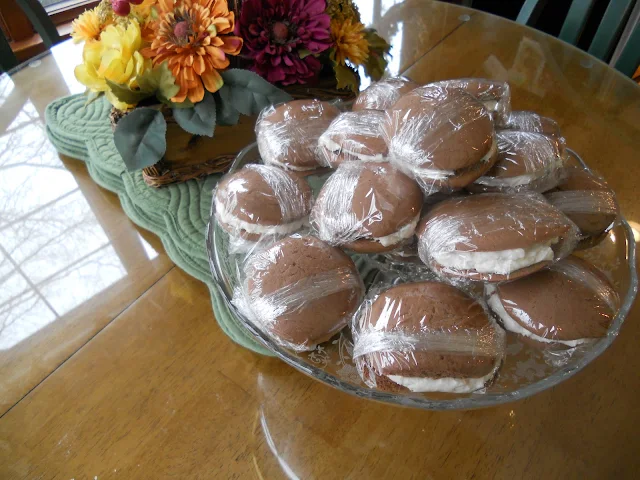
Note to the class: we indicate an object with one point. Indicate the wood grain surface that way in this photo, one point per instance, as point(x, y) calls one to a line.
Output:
point(142, 384)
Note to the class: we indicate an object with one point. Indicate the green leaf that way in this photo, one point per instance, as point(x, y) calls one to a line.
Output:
point(200, 119)
point(332, 56)
point(126, 94)
point(140, 137)
point(185, 104)
point(91, 96)
point(238, 98)
point(375, 66)
point(226, 114)
point(248, 92)
point(375, 41)
point(303, 52)
point(376, 63)
point(160, 81)
point(345, 77)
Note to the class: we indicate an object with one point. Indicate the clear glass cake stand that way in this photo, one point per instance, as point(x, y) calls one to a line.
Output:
point(526, 370)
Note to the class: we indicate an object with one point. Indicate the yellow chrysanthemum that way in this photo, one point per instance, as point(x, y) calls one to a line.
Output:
point(340, 10)
point(350, 42)
point(143, 11)
point(115, 57)
point(86, 27)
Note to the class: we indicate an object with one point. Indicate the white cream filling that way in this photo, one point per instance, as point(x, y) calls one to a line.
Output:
point(501, 262)
point(288, 166)
point(435, 174)
point(447, 384)
point(405, 232)
point(430, 173)
point(451, 384)
point(506, 181)
point(336, 148)
point(510, 324)
point(520, 179)
point(235, 223)
point(491, 105)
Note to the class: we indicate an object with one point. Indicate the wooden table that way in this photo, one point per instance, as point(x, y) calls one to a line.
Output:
point(112, 366)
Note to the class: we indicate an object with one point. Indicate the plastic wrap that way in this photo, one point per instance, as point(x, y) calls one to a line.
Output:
point(526, 162)
point(532, 122)
point(353, 136)
point(568, 304)
point(383, 94)
point(589, 202)
point(367, 207)
point(287, 134)
point(444, 138)
point(425, 336)
point(584, 202)
point(494, 237)
point(262, 200)
point(407, 253)
point(494, 95)
point(300, 291)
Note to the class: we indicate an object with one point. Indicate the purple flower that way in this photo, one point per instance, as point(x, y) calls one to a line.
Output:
point(277, 33)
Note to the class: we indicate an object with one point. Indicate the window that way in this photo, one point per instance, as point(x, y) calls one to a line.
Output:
point(18, 30)
point(49, 3)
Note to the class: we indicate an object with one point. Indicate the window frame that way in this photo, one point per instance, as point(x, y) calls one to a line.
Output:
point(17, 28)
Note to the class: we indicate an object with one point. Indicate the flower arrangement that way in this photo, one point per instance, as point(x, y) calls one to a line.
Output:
point(290, 41)
point(148, 57)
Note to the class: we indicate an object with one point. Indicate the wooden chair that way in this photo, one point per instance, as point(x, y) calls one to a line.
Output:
point(40, 20)
point(8, 59)
point(626, 56)
point(608, 32)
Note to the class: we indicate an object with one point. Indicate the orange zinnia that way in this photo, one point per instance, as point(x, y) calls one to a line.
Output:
point(190, 35)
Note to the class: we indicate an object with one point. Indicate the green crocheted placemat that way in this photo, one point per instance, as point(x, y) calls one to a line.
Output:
point(178, 214)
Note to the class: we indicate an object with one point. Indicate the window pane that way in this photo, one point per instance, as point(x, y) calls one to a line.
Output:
point(61, 4)
point(48, 3)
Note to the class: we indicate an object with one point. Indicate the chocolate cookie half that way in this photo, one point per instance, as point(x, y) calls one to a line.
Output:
point(353, 136)
point(381, 95)
point(261, 200)
point(494, 95)
point(287, 134)
point(526, 161)
point(589, 202)
point(367, 207)
point(532, 122)
point(569, 303)
point(426, 337)
point(300, 291)
point(442, 137)
point(494, 236)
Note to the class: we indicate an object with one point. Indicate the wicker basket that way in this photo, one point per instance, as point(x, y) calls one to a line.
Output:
point(191, 156)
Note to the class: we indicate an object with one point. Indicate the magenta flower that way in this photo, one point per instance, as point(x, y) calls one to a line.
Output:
point(277, 33)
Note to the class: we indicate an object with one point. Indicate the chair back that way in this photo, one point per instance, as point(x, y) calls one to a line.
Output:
point(41, 22)
point(609, 29)
point(626, 57)
point(8, 59)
